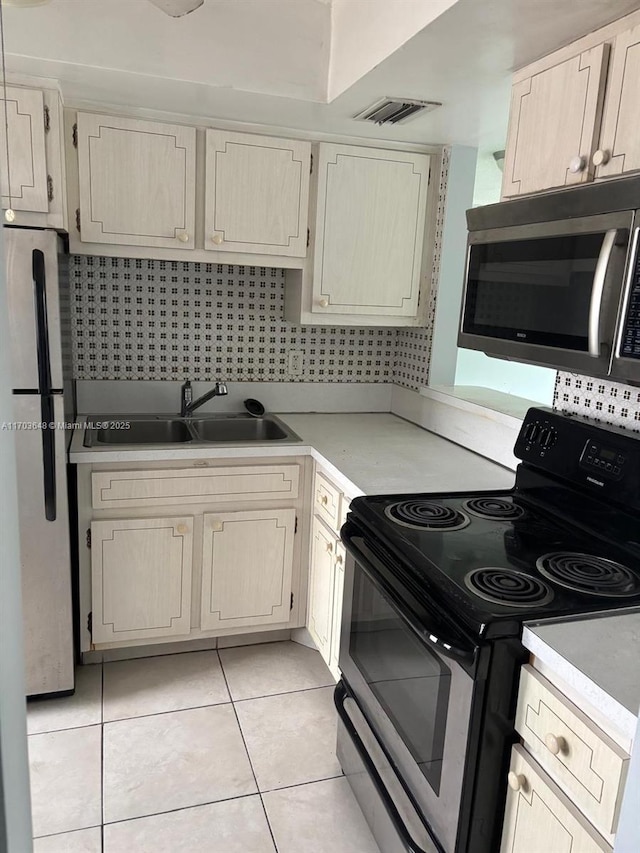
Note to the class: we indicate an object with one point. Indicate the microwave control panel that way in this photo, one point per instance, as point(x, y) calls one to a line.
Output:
point(630, 342)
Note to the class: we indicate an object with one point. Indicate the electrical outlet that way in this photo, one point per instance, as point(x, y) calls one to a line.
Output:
point(296, 358)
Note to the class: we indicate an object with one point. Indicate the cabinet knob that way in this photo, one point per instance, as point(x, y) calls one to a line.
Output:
point(182, 528)
point(555, 744)
point(217, 239)
point(183, 236)
point(516, 780)
point(10, 215)
point(577, 164)
point(323, 303)
point(339, 558)
point(329, 547)
point(601, 156)
point(324, 500)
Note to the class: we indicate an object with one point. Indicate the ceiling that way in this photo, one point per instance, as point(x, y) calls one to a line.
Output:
point(278, 62)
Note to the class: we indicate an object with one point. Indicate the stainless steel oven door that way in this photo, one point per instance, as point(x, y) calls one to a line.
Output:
point(411, 673)
point(547, 292)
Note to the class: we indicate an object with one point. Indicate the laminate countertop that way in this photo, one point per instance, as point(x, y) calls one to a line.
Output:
point(597, 655)
point(366, 453)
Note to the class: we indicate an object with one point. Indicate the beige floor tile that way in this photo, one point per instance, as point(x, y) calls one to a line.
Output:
point(172, 761)
point(234, 826)
point(65, 780)
point(254, 671)
point(322, 817)
point(84, 708)
point(134, 688)
point(291, 738)
point(81, 841)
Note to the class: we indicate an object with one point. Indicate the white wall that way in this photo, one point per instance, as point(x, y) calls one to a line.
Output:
point(523, 380)
point(364, 32)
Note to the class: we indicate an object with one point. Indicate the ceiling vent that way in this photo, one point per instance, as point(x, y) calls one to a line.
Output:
point(396, 110)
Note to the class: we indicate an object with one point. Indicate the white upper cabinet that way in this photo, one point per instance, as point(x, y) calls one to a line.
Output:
point(136, 182)
point(554, 123)
point(27, 154)
point(369, 231)
point(619, 149)
point(257, 194)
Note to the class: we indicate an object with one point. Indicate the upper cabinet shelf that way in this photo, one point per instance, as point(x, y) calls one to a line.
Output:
point(257, 194)
point(137, 182)
point(574, 113)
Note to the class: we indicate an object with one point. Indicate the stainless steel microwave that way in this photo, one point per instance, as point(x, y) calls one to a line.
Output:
point(554, 280)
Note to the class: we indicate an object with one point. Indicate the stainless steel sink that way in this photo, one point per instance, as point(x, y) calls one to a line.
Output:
point(239, 428)
point(216, 429)
point(143, 432)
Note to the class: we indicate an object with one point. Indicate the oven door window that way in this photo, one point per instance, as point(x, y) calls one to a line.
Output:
point(536, 291)
point(411, 683)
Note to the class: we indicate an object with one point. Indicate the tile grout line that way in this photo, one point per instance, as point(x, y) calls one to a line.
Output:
point(246, 749)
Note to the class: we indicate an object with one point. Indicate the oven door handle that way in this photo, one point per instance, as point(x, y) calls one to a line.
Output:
point(437, 635)
point(339, 696)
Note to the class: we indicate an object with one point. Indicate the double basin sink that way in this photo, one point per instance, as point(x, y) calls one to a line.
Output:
point(215, 429)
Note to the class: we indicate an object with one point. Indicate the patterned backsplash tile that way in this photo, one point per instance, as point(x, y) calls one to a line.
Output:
point(598, 399)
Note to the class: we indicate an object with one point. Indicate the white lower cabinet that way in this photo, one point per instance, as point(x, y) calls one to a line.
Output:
point(539, 818)
point(141, 578)
point(247, 565)
point(321, 587)
point(336, 622)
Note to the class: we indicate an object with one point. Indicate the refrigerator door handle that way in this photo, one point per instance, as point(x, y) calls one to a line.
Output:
point(49, 458)
point(42, 328)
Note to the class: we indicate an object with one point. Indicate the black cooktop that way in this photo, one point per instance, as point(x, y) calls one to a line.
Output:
point(494, 559)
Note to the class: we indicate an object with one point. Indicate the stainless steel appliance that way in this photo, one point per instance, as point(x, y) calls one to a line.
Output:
point(437, 587)
point(554, 280)
point(37, 379)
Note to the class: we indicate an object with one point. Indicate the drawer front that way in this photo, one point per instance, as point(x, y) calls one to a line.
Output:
point(587, 764)
point(113, 489)
point(538, 817)
point(326, 502)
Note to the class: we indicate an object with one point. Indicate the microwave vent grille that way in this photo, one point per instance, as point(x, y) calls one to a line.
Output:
point(395, 110)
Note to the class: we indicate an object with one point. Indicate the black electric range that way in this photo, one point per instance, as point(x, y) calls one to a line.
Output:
point(437, 588)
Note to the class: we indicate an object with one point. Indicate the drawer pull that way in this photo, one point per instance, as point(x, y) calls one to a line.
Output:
point(516, 780)
point(324, 500)
point(555, 744)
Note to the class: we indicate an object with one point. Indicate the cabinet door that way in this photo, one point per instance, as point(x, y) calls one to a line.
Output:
point(539, 818)
point(137, 182)
point(257, 194)
point(619, 139)
point(141, 578)
point(27, 157)
point(554, 124)
point(247, 563)
point(369, 231)
point(336, 624)
point(321, 584)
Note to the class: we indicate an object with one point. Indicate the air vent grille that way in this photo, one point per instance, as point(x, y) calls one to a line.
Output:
point(395, 110)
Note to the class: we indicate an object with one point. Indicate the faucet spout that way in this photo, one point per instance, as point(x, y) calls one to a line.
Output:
point(188, 405)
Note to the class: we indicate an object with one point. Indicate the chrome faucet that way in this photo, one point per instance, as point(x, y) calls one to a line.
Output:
point(188, 405)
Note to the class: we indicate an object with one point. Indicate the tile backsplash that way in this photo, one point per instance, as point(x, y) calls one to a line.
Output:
point(150, 319)
point(598, 399)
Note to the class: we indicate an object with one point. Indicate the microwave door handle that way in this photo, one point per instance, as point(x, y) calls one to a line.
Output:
point(627, 290)
point(599, 276)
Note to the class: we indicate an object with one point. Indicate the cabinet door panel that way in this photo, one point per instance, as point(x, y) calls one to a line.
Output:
point(321, 584)
point(540, 819)
point(619, 136)
point(336, 624)
point(369, 231)
point(137, 182)
point(141, 578)
point(247, 564)
point(257, 194)
point(27, 157)
point(555, 117)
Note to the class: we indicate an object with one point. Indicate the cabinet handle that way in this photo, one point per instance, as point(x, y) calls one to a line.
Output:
point(183, 236)
point(555, 744)
point(323, 303)
point(601, 156)
point(329, 547)
point(516, 780)
point(182, 528)
point(217, 239)
point(577, 164)
point(324, 500)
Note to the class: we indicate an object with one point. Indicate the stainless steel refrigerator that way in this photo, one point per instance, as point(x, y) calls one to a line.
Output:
point(40, 438)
